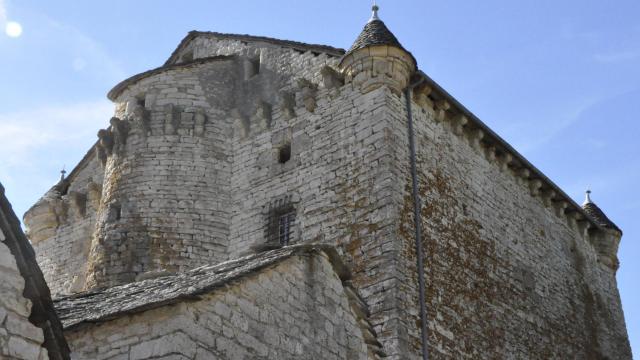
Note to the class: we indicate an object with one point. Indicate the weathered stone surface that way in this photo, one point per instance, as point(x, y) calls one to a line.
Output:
point(28, 323)
point(19, 339)
point(237, 147)
point(282, 304)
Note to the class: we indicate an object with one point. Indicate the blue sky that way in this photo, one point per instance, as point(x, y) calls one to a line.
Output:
point(559, 80)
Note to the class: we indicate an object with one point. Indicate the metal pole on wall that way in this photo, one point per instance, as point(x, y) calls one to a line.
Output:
point(417, 221)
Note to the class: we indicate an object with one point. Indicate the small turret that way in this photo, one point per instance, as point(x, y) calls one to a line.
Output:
point(606, 244)
point(376, 58)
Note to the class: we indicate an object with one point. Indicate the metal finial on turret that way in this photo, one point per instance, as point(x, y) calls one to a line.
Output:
point(374, 14)
point(587, 198)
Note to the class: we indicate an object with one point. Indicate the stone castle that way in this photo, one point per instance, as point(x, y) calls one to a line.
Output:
point(255, 198)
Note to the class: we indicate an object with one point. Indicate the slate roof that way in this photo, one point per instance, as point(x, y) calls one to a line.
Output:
point(110, 303)
point(35, 288)
point(598, 215)
point(375, 33)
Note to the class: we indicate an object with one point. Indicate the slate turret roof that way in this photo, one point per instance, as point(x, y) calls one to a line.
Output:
point(597, 214)
point(375, 33)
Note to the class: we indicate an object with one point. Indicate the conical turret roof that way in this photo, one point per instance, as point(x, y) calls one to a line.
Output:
point(375, 33)
point(597, 214)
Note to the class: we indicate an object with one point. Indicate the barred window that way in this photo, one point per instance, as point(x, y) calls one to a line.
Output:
point(281, 225)
point(286, 224)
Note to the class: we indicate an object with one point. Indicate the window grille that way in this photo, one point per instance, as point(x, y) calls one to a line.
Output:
point(286, 223)
point(281, 225)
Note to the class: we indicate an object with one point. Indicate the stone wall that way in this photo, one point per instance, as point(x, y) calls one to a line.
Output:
point(339, 182)
point(199, 176)
point(508, 275)
point(162, 172)
point(263, 57)
point(19, 339)
point(61, 224)
point(295, 309)
point(164, 196)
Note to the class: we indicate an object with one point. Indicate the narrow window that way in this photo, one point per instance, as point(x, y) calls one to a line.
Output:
point(115, 212)
point(281, 225)
point(255, 63)
point(251, 68)
point(141, 100)
point(284, 153)
point(286, 224)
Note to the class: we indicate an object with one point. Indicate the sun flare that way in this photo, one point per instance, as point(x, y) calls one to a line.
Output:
point(13, 29)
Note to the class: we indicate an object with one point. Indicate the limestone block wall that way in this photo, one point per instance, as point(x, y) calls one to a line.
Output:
point(61, 224)
point(19, 339)
point(339, 182)
point(509, 274)
point(296, 309)
point(156, 185)
point(165, 194)
point(262, 57)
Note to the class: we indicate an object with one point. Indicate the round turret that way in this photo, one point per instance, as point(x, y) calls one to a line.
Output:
point(606, 244)
point(377, 58)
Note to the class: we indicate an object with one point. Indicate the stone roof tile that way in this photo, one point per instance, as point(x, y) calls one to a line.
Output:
point(109, 303)
point(375, 33)
point(599, 216)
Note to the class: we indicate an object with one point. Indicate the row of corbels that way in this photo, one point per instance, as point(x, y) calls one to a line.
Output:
point(258, 122)
point(304, 90)
point(77, 202)
point(495, 153)
point(113, 139)
point(303, 94)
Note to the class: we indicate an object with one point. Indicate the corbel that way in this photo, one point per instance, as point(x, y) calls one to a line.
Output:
point(475, 138)
point(534, 186)
point(505, 161)
point(459, 122)
point(560, 207)
point(441, 109)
